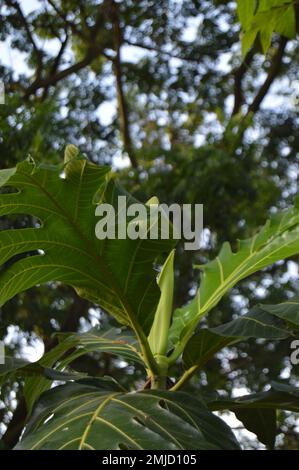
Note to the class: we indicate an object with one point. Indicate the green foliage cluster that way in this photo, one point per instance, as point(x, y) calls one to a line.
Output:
point(197, 123)
point(263, 18)
point(118, 275)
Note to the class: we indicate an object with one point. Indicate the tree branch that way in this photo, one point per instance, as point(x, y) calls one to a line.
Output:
point(14, 4)
point(51, 80)
point(54, 75)
point(56, 63)
point(122, 104)
point(159, 51)
point(63, 16)
point(272, 74)
point(238, 76)
point(59, 55)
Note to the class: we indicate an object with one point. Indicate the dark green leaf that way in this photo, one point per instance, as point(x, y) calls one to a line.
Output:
point(255, 324)
point(288, 311)
point(83, 417)
point(258, 410)
point(280, 397)
point(112, 273)
point(262, 422)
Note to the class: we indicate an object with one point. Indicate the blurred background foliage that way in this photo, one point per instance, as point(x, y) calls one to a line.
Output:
point(160, 91)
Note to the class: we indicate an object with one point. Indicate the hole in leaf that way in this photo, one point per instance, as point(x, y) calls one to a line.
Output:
point(49, 418)
point(123, 446)
point(21, 256)
point(139, 420)
point(164, 405)
point(9, 190)
point(15, 221)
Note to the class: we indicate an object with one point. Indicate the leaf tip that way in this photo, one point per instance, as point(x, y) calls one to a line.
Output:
point(71, 152)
